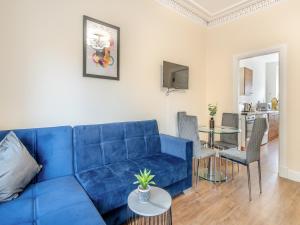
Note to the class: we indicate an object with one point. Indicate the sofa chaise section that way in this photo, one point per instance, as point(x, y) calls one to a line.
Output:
point(54, 196)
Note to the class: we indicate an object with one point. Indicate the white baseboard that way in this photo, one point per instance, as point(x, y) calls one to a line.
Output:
point(294, 175)
point(289, 174)
point(283, 172)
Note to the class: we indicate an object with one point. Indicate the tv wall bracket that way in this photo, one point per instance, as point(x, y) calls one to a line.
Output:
point(170, 91)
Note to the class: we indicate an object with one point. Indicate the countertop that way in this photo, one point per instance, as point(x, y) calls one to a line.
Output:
point(260, 112)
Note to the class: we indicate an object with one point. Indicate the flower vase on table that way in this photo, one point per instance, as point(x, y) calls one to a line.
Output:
point(212, 123)
point(144, 179)
point(212, 109)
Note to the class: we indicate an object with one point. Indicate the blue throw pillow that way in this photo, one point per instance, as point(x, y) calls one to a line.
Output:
point(17, 167)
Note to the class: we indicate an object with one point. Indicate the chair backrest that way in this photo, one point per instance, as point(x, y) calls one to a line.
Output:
point(230, 120)
point(188, 129)
point(257, 134)
point(51, 147)
point(179, 116)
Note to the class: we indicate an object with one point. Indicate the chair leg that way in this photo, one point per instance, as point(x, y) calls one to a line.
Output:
point(195, 170)
point(232, 168)
point(220, 168)
point(215, 168)
point(226, 169)
point(197, 173)
point(249, 182)
point(259, 175)
point(194, 166)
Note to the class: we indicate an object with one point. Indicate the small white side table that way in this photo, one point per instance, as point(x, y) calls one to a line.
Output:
point(156, 211)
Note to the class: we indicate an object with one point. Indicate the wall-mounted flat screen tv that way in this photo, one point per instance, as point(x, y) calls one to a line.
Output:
point(175, 76)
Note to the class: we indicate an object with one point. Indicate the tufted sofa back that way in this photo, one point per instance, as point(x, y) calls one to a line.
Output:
point(99, 145)
point(51, 147)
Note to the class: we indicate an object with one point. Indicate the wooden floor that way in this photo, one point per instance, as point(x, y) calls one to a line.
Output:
point(227, 203)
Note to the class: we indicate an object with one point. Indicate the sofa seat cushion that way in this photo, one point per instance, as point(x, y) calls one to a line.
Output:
point(166, 168)
point(58, 201)
point(126, 170)
point(110, 185)
point(108, 190)
point(18, 211)
point(234, 154)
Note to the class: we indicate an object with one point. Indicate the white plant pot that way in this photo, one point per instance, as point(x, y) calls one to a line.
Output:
point(144, 194)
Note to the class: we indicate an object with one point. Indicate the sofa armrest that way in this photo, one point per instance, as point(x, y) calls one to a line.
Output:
point(178, 147)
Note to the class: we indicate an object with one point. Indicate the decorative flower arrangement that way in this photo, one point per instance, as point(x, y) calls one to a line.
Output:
point(212, 110)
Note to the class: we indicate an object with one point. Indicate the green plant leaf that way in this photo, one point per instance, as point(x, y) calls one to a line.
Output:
point(144, 178)
point(212, 109)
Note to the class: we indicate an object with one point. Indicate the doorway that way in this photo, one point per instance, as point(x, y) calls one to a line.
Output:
point(259, 87)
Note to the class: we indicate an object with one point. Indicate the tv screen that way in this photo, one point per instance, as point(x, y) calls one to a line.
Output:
point(175, 76)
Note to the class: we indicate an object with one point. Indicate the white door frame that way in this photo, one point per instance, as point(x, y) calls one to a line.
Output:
point(282, 50)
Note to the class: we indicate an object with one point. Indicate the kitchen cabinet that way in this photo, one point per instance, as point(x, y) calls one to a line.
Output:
point(273, 125)
point(246, 81)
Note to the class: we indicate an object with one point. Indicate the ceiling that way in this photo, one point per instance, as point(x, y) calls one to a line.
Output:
point(213, 7)
point(213, 12)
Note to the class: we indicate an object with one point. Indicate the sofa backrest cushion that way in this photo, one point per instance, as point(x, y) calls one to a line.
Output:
point(51, 148)
point(99, 145)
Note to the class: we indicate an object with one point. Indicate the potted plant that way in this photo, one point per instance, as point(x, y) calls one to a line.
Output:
point(212, 109)
point(144, 179)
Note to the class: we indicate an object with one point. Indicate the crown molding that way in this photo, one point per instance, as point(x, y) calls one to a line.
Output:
point(248, 10)
point(239, 5)
point(195, 12)
point(183, 11)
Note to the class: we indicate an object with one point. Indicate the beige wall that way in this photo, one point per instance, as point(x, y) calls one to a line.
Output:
point(41, 81)
point(267, 28)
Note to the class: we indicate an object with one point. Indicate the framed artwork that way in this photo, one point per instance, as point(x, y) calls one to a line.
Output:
point(101, 49)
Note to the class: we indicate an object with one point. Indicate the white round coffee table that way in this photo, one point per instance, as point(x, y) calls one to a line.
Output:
point(156, 211)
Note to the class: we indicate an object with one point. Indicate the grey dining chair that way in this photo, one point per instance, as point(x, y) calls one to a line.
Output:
point(252, 153)
point(228, 141)
point(179, 115)
point(188, 129)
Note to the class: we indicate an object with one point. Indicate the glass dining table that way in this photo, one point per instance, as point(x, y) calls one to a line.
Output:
point(217, 130)
point(209, 173)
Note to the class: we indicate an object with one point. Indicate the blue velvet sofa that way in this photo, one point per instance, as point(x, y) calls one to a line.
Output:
point(88, 172)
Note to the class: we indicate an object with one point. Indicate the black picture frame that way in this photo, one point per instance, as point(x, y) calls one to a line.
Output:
point(117, 29)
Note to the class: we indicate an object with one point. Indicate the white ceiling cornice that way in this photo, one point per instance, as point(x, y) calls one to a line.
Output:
point(183, 11)
point(194, 11)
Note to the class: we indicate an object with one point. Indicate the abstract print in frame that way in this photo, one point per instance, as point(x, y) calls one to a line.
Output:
point(101, 49)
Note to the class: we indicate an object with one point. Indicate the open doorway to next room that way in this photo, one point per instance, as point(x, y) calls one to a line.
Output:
point(259, 97)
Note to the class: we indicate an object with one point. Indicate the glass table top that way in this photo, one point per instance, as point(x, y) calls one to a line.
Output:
point(219, 130)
